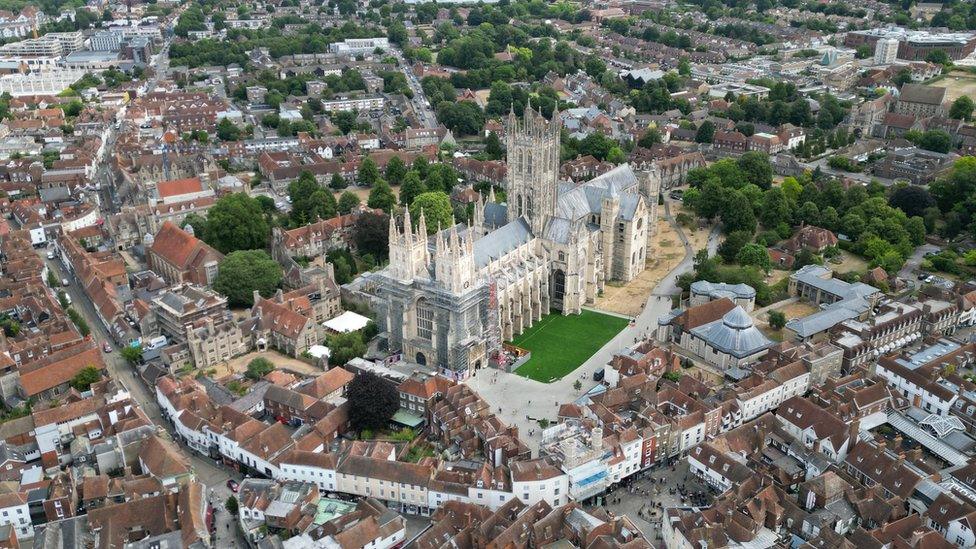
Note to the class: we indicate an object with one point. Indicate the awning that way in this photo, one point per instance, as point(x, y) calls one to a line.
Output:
point(407, 419)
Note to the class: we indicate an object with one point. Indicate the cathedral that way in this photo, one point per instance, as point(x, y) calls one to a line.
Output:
point(448, 300)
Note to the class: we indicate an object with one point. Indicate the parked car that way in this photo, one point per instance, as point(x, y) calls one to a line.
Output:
point(50, 254)
point(232, 484)
point(106, 347)
point(598, 375)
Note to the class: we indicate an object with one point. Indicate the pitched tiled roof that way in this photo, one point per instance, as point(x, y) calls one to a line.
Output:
point(176, 187)
point(705, 313)
point(176, 246)
point(61, 371)
point(162, 459)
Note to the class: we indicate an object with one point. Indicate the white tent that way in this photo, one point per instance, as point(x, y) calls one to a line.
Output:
point(347, 322)
point(319, 351)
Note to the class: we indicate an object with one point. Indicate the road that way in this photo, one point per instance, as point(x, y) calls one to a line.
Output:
point(420, 104)
point(498, 388)
point(207, 471)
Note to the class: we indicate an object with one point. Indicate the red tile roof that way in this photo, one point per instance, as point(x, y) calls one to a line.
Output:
point(176, 187)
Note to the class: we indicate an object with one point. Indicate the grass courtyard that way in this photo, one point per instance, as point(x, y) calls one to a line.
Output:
point(560, 344)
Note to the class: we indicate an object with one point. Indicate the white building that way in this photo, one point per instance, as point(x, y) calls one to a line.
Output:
point(317, 468)
point(537, 480)
point(14, 511)
point(886, 51)
point(356, 46)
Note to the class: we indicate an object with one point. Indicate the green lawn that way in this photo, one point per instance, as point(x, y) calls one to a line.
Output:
point(559, 344)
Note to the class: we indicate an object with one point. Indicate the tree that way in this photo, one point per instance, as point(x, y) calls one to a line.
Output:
point(939, 57)
point(757, 169)
point(309, 201)
point(231, 505)
point(436, 207)
point(737, 214)
point(10, 326)
point(83, 379)
point(756, 255)
point(705, 133)
point(791, 188)
point(809, 213)
point(131, 354)
point(396, 170)
point(236, 222)
point(775, 208)
point(412, 188)
point(962, 108)
point(244, 271)
point(347, 201)
point(372, 235)
point(616, 156)
point(493, 146)
point(936, 140)
point(381, 196)
point(338, 182)
point(258, 368)
point(577, 385)
point(911, 199)
point(650, 138)
point(344, 120)
point(372, 401)
point(368, 173)
point(777, 320)
point(733, 242)
point(228, 131)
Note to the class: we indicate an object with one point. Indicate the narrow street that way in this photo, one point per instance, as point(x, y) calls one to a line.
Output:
point(420, 104)
point(214, 476)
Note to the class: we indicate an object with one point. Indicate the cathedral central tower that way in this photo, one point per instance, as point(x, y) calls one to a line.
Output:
point(533, 167)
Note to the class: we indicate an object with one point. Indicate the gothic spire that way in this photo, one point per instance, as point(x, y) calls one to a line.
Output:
point(422, 227)
point(407, 230)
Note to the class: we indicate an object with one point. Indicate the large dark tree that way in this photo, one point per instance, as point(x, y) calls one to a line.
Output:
point(372, 401)
point(911, 199)
point(244, 271)
point(372, 235)
point(236, 222)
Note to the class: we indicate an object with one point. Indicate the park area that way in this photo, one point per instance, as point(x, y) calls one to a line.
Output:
point(560, 344)
point(958, 83)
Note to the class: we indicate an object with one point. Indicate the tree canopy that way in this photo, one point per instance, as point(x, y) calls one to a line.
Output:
point(244, 271)
point(236, 222)
point(437, 210)
point(372, 401)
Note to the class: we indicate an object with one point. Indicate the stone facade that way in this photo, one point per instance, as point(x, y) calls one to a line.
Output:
point(449, 299)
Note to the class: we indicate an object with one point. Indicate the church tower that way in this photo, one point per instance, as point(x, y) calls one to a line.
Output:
point(454, 266)
point(533, 167)
point(408, 250)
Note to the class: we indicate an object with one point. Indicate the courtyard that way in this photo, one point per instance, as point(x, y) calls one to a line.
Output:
point(560, 344)
point(664, 252)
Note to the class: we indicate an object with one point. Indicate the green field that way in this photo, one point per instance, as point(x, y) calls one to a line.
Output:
point(559, 344)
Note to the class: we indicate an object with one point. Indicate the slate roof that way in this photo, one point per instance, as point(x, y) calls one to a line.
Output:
point(501, 241)
point(577, 202)
point(919, 93)
point(733, 334)
point(496, 215)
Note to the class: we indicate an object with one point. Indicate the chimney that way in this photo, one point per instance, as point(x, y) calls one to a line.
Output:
point(256, 296)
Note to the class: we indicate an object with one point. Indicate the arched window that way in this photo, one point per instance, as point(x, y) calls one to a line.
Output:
point(562, 256)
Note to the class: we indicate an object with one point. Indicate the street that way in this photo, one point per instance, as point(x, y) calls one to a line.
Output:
point(207, 471)
point(420, 104)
